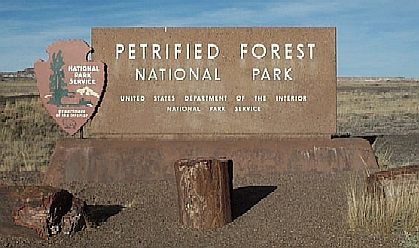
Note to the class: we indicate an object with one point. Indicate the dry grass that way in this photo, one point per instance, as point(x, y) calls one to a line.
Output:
point(379, 107)
point(383, 98)
point(18, 87)
point(27, 136)
point(383, 157)
point(378, 214)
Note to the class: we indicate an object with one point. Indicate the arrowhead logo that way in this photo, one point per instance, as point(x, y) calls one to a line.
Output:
point(69, 85)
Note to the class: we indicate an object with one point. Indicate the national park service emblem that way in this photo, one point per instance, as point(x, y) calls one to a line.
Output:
point(69, 85)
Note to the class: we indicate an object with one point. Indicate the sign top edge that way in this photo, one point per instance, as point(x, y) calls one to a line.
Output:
point(216, 27)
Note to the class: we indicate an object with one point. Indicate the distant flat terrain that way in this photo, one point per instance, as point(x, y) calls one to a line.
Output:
point(18, 87)
point(378, 106)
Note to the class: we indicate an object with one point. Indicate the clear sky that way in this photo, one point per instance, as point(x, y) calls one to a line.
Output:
point(374, 38)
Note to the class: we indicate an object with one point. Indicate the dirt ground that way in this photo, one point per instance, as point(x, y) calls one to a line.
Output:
point(288, 210)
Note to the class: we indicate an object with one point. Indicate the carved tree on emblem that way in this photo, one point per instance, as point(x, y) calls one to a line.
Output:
point(57, 86)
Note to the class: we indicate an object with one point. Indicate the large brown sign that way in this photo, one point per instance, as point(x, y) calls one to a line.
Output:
point(216, 81)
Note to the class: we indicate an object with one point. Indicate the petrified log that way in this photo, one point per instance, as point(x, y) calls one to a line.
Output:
point(46, 210)
point(394, 181)
point(204, 187)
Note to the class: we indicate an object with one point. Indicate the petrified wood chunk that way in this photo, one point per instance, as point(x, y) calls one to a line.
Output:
point(204, 187)
point(46, 210)
point(395, 181)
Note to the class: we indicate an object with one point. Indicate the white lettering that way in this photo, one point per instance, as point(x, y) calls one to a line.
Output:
point(156, 51)
point(311, 47)
point(131, 51)
point(288, 51)
point(217, 51)
point(198, 51)
point(118, 50)
point(254, 51)
point(243, 50)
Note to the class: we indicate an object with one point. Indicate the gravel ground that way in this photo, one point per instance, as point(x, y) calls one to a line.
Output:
point(293, 210)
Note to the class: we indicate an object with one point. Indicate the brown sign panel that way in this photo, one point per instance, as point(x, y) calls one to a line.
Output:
point(216, 81)
point(69, 86)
